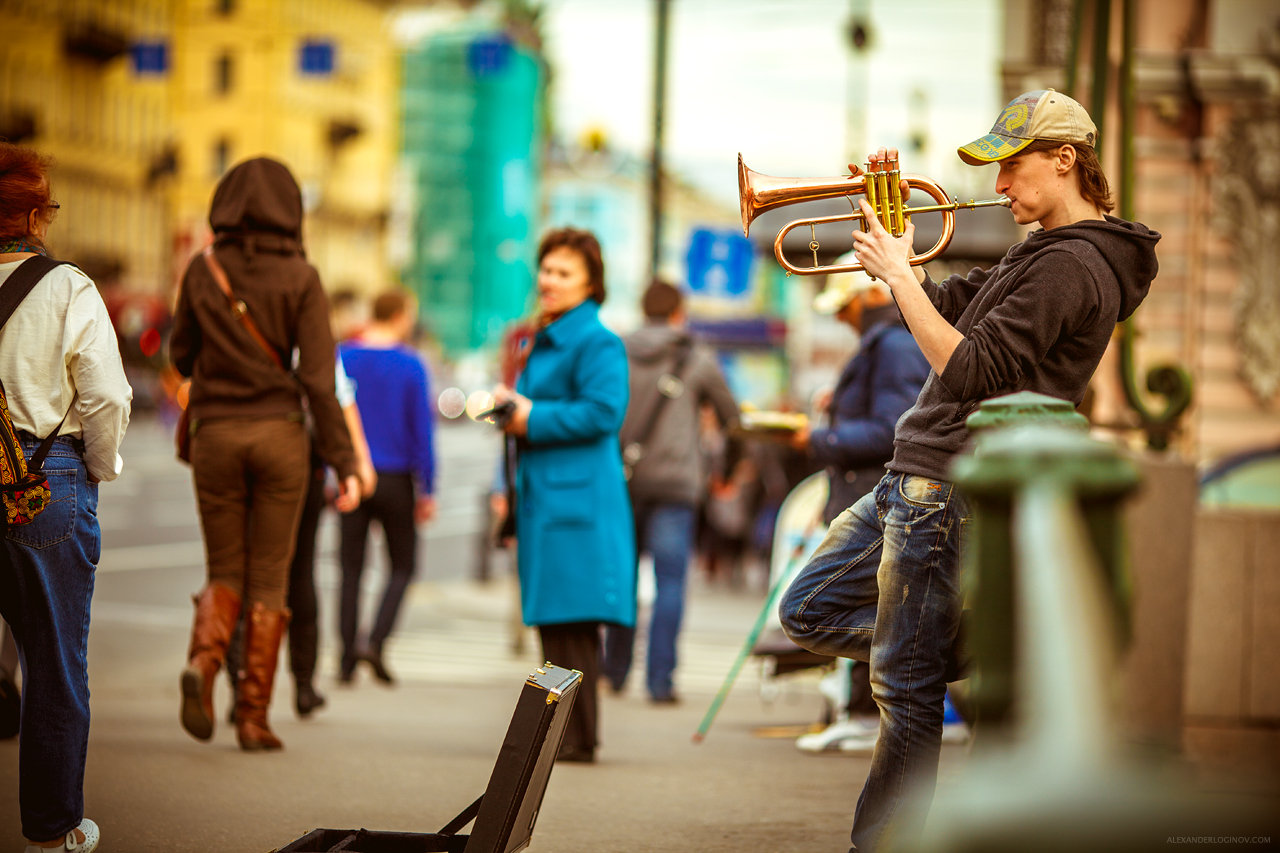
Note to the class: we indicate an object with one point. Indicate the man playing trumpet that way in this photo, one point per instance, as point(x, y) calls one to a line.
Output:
point(884, 585)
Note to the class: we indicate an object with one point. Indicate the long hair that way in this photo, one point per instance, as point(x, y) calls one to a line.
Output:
point(24, 187)
point(1093, 181)
point(587, 246)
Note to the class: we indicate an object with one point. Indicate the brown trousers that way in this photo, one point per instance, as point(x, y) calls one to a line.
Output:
point(251, 476)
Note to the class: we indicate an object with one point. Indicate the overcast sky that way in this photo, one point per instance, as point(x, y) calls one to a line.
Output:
point(773, 79)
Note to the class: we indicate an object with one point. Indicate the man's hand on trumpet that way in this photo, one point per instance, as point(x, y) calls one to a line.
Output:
point(886, 257)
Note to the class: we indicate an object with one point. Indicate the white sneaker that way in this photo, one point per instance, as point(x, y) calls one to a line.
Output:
point(833, 736)
point(90, 843)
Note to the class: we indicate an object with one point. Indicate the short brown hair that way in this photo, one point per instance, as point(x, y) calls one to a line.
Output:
point(661, 299)
point(587, 246)
point(1093, 181)
point(24, 187)
point(389, 305)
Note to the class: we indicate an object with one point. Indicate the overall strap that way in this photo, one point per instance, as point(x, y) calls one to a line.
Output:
point(22, 281)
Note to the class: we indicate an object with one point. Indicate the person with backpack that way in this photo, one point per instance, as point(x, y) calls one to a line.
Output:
point(69, 403)
point(670, 378)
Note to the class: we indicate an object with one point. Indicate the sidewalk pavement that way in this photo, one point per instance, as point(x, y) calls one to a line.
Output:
point(411, 756)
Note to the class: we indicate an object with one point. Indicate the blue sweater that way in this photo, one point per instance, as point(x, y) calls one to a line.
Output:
point(393, 394)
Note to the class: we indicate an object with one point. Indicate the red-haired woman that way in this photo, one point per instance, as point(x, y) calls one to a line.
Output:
point(62, 375)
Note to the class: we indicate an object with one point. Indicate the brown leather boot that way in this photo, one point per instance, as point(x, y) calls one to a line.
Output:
point(263, 631)
point(217, 610)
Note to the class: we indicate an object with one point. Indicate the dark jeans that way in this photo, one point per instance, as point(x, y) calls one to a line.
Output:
point(665, 531)
point(392, 507)
point(884, 587)
point(46, 584)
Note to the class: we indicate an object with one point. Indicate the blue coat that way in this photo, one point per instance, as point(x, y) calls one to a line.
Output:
point(877, 385)
point(574, 538)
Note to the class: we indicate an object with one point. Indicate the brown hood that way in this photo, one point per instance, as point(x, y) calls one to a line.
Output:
point(257, 196)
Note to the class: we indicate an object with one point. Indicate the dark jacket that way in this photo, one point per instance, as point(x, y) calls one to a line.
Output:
point(671, 468)
point(256, 216)
point(574, 538)
point(1039, 320)
point(879, 383)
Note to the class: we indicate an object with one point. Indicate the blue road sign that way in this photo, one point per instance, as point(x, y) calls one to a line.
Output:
point(719, 263)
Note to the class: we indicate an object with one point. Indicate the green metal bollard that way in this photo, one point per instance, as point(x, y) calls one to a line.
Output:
point(1019, 438)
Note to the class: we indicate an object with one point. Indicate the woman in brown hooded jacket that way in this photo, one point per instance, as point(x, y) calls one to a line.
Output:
point(250, 450)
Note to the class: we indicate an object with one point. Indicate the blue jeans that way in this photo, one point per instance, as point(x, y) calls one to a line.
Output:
point(884, 587)
point(46, 583)
point(665, 531)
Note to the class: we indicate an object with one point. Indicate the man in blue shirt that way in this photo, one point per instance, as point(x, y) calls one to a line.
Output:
point(393, 394)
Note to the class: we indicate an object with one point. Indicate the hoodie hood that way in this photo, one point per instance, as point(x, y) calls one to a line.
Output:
point(654, 342)
point(1128, 248)
point(257, 196)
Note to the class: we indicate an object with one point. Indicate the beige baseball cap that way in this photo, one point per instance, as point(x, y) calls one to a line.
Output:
point(1042, 114)
point(841, 287)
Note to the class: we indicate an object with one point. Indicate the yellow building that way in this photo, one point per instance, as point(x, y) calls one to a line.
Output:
point(145, 103)
point(67, 88)
point(309, 82)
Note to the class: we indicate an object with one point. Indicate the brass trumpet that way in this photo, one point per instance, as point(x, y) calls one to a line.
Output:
point(881, 183)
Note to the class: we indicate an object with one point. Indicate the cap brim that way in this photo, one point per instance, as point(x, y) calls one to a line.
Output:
point(991, 148)
point(831, 301)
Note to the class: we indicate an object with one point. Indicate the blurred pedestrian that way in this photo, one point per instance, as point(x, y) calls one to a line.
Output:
point(64, 380)
point(878, 384)
point(575, 548)
point(671, 378)
point(393, 395)
point(884, 586)
point(250, 449)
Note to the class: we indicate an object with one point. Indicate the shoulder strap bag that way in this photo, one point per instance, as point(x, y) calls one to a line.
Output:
point(669, 386)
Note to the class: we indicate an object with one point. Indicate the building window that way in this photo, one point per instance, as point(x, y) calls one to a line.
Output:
point(223, 74)
point(221, 157)
point(150, 57)
point(315, 57)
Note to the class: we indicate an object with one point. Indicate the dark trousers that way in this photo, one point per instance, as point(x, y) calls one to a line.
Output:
point(303, 627)
point(391, 506)
point(576, 645)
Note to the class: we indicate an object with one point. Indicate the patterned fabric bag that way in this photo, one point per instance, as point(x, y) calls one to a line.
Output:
point(24, 489)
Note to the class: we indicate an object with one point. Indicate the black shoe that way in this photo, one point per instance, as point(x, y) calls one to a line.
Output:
point(665, 699)
point(577, 755)
point(306, 699)
point(347, 670)
point(380, 671)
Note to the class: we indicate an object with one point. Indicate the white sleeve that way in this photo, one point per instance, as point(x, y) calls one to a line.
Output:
point(344, 388)
point(103, 396)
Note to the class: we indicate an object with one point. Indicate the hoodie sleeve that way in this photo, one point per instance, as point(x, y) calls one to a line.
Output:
point(714, 390)
point(316, 372)
point(1048, 301)
point(954, 293)
point(184, 336)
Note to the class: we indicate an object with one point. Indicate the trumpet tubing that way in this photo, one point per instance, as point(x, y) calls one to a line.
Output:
point(881, 183)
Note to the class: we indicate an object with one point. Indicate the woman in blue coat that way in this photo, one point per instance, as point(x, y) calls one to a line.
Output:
point(574, 539)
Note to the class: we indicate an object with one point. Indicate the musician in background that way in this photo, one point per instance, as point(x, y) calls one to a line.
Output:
point(884, 585)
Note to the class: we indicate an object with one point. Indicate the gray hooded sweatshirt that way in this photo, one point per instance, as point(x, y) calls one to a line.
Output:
point(1039, 320)
point(671, 469)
